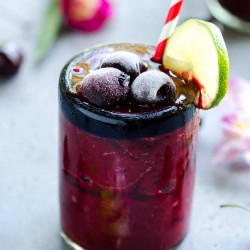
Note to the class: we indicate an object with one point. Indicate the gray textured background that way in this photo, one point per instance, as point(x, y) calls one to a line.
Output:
point(29, 131)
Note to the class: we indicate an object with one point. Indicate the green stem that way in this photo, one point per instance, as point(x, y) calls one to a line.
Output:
point(236, 206)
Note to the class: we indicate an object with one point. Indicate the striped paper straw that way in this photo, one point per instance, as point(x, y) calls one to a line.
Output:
point(168, 29)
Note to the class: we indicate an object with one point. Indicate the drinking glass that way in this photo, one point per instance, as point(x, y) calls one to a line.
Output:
point(126, 180)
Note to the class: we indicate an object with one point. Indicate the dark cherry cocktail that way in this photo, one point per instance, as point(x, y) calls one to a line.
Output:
point(127, 161)
point(233, 13)
point(240, 8)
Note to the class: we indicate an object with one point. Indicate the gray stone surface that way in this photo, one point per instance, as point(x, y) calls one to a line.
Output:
point(29, 213)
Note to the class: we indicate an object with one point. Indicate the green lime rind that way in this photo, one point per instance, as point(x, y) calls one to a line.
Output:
point(223, 62)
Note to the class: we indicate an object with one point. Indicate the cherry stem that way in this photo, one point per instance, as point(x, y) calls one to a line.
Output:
point(236, 206)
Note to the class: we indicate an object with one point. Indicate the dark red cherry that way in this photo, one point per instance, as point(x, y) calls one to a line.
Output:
point(153, 87)
point(127, 62)
point(10, 59)
point(106, 87)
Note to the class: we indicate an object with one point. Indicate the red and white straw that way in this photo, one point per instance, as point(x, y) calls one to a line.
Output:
point(168, 28)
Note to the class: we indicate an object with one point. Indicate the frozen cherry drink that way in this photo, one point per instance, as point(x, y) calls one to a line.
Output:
point(240, 8)
point(128, 134)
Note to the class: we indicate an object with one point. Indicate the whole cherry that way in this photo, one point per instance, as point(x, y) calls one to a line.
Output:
point(10, 59)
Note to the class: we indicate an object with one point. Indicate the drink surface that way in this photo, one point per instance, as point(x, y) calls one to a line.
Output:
point(90, 61)
point(126, 171)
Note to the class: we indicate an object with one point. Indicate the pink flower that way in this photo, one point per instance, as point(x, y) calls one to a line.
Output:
point(86, 15)
point(235, 146)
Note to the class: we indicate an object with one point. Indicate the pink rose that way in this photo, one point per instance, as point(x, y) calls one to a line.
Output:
point(86, 15)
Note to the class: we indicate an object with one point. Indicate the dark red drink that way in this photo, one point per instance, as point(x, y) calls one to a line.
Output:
point(233, 13)
point(127, 171)
point(239, 8)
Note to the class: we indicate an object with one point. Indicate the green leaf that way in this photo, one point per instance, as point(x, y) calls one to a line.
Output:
point(49, 30)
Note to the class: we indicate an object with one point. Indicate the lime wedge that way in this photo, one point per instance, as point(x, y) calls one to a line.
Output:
point(196, 52)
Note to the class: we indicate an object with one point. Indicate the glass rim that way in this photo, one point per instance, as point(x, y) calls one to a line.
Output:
point(101, 122)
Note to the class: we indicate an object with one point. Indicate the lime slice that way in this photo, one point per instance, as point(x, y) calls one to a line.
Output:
point(196, 51)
